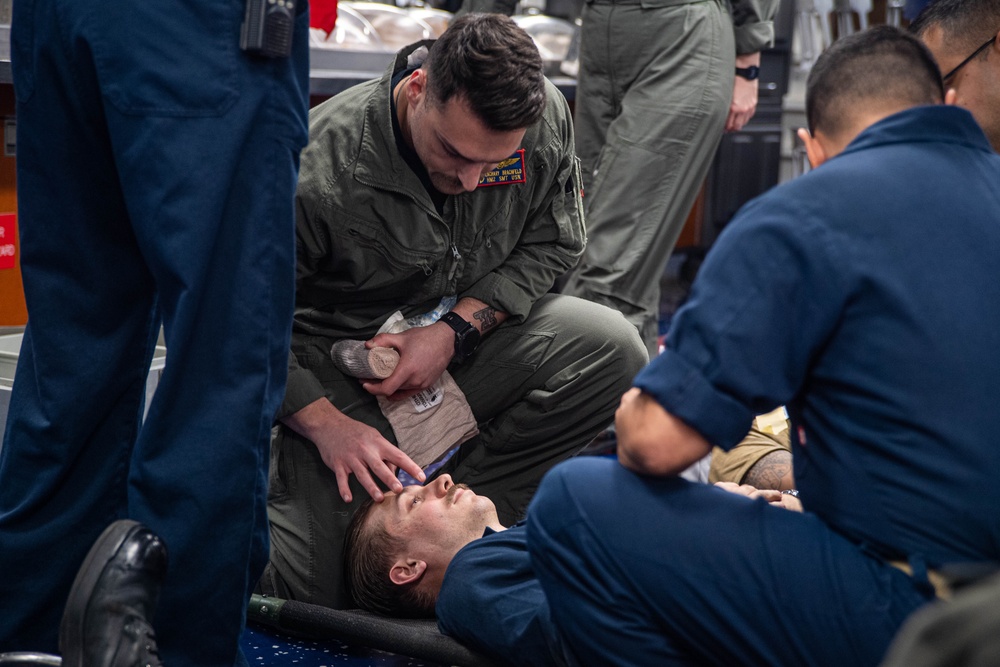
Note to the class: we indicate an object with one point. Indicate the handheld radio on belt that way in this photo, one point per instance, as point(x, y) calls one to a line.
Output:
point(267, 28)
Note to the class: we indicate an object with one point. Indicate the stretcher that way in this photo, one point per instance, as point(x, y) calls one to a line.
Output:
point(416, 638)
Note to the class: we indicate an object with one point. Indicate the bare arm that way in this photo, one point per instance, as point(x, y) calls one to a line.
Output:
point(479, 314)
point(744, 103)
point(772, 471)
point(651, 441)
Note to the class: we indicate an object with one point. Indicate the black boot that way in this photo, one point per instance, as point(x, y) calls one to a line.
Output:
point(108, 615)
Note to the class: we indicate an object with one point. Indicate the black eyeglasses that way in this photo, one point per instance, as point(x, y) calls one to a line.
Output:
point(965, 62)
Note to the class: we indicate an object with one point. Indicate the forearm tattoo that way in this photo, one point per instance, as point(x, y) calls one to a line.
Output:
point(487, 318)
point(768, 472)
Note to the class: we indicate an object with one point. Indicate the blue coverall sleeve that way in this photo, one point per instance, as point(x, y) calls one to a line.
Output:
point(763, 304)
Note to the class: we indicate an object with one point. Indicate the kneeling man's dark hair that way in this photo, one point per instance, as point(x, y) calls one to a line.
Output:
point(494, 65)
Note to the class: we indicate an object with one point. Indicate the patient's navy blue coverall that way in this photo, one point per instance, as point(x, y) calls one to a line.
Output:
point(491, 600)
point(156, 170)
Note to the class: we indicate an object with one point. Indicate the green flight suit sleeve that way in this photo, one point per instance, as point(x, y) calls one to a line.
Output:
point(303, 387)
point(553, 237)
point(753, 24)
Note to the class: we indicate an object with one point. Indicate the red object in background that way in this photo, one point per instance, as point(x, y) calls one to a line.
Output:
point(323, 14)
point(8, 239)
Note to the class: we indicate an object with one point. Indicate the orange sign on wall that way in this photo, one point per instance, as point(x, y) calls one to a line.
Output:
point(12, 308)
point(8, 240)
point(13, 312)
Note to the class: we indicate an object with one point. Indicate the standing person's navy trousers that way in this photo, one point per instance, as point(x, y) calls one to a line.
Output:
point(156, 168)
point(647, 571)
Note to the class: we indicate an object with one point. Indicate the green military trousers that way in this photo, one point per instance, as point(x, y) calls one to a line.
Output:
point(655, 84)
point(540, 390)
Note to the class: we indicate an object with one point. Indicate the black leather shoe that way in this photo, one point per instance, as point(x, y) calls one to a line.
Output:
point(107, 620)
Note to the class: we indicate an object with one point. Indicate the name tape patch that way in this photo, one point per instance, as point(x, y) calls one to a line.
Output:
point(507, 172)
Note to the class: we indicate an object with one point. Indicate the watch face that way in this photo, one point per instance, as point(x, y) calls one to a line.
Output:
point(468, 341)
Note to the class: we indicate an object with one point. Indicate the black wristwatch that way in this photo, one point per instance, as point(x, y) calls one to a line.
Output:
point(466, 336)
point(749, 73)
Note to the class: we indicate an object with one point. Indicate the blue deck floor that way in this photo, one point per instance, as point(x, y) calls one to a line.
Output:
point(266, 647)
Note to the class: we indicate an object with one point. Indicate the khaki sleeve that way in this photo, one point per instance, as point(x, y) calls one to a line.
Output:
point(733, 466)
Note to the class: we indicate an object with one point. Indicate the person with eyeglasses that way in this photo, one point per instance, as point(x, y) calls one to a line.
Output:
point(861, 295)
point(964, 36)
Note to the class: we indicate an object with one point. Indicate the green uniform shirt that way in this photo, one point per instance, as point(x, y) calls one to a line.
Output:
point(370, 240)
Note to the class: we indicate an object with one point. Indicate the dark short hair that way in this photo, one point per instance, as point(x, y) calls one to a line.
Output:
point(492, 64)
point(964, 23)
point(369, 554)
point(879, 67)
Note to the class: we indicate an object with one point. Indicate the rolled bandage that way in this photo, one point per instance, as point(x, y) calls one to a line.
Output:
point(352, 358)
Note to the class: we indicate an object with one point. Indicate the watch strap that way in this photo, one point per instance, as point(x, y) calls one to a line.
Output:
point(455, 321)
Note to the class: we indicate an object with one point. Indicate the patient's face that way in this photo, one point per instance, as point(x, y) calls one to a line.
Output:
point(440, 517)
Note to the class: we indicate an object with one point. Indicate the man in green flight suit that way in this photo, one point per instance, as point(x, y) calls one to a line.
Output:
point(449, 186)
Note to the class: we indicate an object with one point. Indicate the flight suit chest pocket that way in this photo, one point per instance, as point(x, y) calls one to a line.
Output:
point(382, 266)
